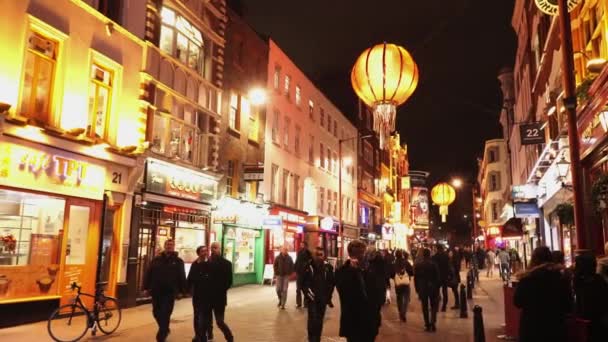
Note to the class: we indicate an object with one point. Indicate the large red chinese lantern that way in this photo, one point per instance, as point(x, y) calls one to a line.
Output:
point(443, 194)
point(384, 76)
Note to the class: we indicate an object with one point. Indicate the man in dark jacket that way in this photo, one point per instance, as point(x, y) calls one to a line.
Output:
point(356, 314)
point(164, 280)
point(199, 285)
point(283, 268)
point(220, 275)
point(426, 280)
point(318, 285)
point(302, 259)
point(442, 261)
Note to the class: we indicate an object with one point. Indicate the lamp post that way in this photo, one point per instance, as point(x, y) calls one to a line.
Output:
point(340, 225)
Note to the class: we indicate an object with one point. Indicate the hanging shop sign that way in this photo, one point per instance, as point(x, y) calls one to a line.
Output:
point(253, 174)
point(420, 208)
point(550, 7)
point(526, 210)
point(272, 222)
point(172, 180)
point(524, 192)
point(328, 224)
point(532, 133)
point(50, 170)
point(592, 128)
point(387, 231)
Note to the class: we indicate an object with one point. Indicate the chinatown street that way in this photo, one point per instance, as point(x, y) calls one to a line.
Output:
point(252, 315)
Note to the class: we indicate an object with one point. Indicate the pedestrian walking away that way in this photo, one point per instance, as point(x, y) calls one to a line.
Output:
point(283, 268)
point(220, 274)
point(403, 276)
point(199, 284)
point(543, 295)
point(164, 281)
point(427, 281)
point(490, 262)
point(302, 259)
point(454, 278)
point(504, 260)
point(356, 309)
point(442, 261)
point(318, 286)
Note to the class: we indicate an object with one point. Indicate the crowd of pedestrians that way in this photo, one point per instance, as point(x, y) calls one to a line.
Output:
point(550, 295)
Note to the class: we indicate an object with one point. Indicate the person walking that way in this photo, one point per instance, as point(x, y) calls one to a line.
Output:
point(220, 274)
point(318, 286)
point(164, 281)
point(375, 281)
point(543, 295)
point(442, 261)
point(490, 262)
point(591, 296)
point(283, 268)
point(454, 278)
point(403, 276)
point(302, 259)
point(199, 285)
point(504, 260)
point(356, 314)
point(427, 281)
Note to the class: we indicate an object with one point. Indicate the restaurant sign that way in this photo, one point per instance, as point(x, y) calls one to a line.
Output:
point(173, 180)
point(591, 129)
point(50, 170)
point(550, 7)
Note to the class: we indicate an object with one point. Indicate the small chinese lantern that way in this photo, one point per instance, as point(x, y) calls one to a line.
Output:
point(443, 194)
point(384, 76)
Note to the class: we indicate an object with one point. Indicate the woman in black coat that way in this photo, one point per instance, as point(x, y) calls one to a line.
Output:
point(405, 271)
point(543, 295)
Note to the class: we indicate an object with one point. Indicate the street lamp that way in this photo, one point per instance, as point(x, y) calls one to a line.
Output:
point(257, 96)
point(348, 161)
point(457, 183)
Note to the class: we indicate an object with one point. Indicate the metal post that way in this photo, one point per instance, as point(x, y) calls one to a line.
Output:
point(570, 104)
point(475, 234)
point(479, 334)
point(463, 302)
point(340, 228)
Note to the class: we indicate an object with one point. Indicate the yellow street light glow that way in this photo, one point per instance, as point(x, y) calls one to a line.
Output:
point(348, 161)
point(257, 96)
point(457, 182)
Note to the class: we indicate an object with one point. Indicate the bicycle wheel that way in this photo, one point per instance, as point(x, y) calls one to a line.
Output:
point(68, 323)
point(109, 316)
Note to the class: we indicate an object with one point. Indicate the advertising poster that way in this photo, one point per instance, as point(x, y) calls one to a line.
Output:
point(420, 208)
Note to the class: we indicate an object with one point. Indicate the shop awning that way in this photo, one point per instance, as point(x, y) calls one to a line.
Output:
point(514, 227)
point(148, 197)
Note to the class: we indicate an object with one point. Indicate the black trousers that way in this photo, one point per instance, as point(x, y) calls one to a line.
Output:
point(432, 300)
point(162, 308)
point(201, 327)
point(456, 296)
point(316, 314)
point(403, 299)
point(444, 295)
point(299, 292)
point(218, 310)
point(360, 339)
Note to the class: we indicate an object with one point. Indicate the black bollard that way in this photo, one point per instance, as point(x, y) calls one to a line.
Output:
point(479, 334)
point(463, 302)
point(470, 286)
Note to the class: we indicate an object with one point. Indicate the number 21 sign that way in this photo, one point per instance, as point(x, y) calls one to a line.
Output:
point(532, 133)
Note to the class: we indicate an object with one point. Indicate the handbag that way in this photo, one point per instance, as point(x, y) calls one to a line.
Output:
point(402, 279)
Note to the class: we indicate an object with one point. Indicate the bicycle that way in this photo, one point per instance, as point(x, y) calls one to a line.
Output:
point(70, 322)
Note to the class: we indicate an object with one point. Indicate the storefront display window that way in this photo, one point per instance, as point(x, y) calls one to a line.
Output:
point(240, 247)
point(188, 236)
point(78, 228)
point(31, 228)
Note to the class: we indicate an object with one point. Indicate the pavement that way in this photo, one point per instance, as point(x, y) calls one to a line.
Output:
point(253, 316)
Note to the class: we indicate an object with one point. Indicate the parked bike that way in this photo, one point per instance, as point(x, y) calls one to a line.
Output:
point(71, 322)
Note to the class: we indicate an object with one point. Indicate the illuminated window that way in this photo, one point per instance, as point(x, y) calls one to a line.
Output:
point(335, 203)
point(329, 202)
point(329, 162)
point(311, 110)
point(234, 117)
point(311, 150)
point(286, 133)
point(100, 96)
point(321, 156)
point(321, 208)
point(287, 85)
point(296, 190)
point(38, 78)
point(277, 77)
point(298, 96)
point(285, 184)
point(178, 138)
point(275, 127)
point(274, 181)
point(181, 39)
point(254, 125)
point(329, 123)
point(494, 181)
point(229, 177)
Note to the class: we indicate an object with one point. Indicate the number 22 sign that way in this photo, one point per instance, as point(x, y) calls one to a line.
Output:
point(532, 133)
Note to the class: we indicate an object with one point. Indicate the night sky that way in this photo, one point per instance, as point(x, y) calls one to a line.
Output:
point(459, 46)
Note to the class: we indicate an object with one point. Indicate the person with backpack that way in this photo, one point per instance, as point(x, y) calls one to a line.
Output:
point(402, 277)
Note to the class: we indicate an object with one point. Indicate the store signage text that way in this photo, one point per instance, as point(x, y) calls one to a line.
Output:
point(50, 171)
point(532, 133)
point(225, 219)
point(590, 133)
point(550, 7)
point(524, 192)
point(272, 222)
point(173, 180)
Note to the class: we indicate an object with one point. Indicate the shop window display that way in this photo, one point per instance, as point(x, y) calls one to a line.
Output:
point(31, 229)
point(240, 247)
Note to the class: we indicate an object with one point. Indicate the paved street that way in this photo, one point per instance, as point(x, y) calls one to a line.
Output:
point(253, 316)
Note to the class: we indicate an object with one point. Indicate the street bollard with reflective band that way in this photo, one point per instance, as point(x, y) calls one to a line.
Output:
point(470, 286)
point(479, 334)
point(463, 302)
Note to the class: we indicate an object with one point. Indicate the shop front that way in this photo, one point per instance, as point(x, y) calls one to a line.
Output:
point(349, 234)
point(175, 203)
point(289, 234)
point(239, 226)
point(323, 232)
point(50, 213)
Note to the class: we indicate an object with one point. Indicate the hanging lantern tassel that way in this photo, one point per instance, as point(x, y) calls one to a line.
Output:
point(443, 211)
point(384, 121)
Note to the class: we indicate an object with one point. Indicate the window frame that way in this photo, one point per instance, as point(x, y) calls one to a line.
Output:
point(176, 32)
point(298, 95)
point(109, 101)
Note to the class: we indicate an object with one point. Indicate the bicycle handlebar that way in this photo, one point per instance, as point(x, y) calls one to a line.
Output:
point(75, 286)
